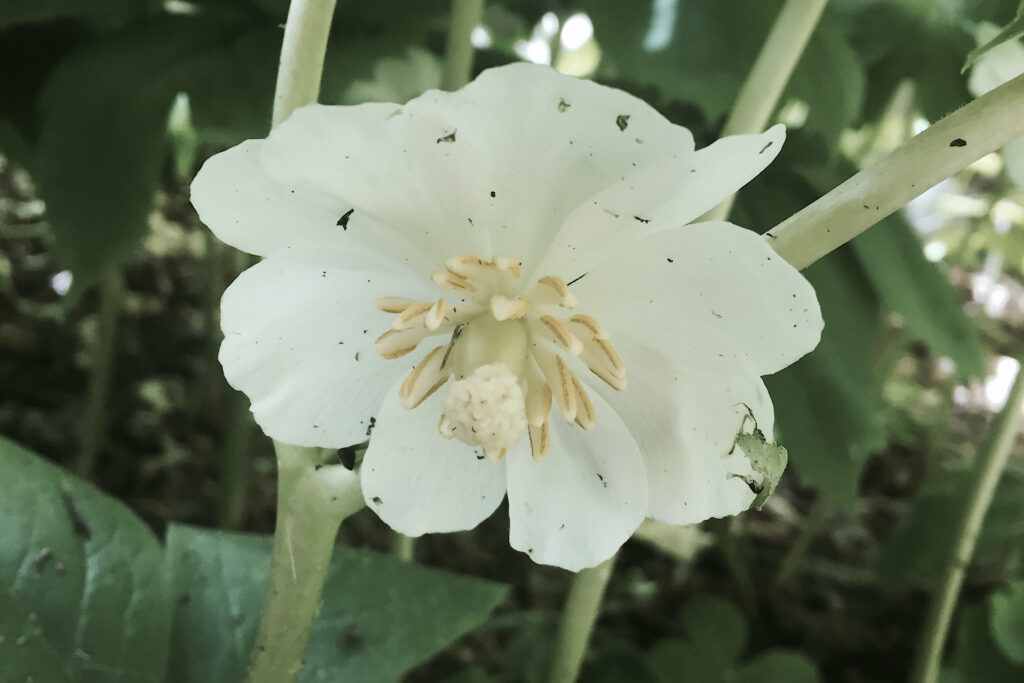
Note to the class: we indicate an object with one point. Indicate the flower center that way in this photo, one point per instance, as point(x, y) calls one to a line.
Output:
point(506, 351)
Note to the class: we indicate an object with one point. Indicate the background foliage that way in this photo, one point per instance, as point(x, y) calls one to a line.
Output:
point(881, 421)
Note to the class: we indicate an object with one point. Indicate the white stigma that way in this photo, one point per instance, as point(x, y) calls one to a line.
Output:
point(486, 409)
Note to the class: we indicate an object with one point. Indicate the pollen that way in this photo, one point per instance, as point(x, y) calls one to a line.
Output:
point(510, 350)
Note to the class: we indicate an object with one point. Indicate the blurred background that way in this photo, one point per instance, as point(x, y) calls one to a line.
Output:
point(110, 286)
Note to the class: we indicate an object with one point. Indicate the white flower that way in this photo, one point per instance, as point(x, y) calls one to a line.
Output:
point(528, 227)
point(1002, 63)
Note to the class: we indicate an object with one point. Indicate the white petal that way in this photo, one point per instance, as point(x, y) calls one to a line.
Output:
point(419, 482)
point(299, 331)
point(493, 168)
point(657, 197)
point(1013, 157)
point(709, 286)
point(578, 505)
point(685, 413)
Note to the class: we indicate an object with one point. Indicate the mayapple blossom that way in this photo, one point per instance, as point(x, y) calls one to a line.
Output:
point(498, 287)
point(997, 66)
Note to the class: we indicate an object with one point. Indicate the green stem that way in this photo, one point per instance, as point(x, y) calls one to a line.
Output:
point(798, 550)
point(312, 500)
point(94, 425)
point(235, 461)
point(458, 51)
point(581, 610)
point(960, 139)
point(403, 547)
point(302, 56)
point(763, 88)
point(995, 453)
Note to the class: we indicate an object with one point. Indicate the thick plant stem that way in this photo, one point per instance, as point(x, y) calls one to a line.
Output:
point(960, 139)
point(763, 88)
point(458, 51)
point(302, 56)
point(312, 500)
point(991, 462)
point(403, 547)
point(94, 425)
point(581, 610)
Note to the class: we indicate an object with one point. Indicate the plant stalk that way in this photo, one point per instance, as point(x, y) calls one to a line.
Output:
point(955, 142)
point(995, 453)
point(312, 500)
point(302, 56)
point(458, 51)
point(95, 417)
point(582, 608)
point(774, 65)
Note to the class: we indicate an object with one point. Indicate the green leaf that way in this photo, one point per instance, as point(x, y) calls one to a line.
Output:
point(380, 616)
point(25, 654)
point(1011, 31)
point(978, 658)
point(104, 114)
point(716, 626)
point(919, 546)
point(90, 572)
point(104, 13)
point(893, 259)
point(1007, 609)
point(828, 405)
point(683, 53)
point(896, 43)
point(779, 666)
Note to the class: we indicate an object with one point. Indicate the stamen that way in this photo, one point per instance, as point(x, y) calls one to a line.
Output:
point(538, 397)
point(412, 316)
point(495, 455)
point(507, 377)
point(426, 378)
point(396, 343)
point(509, 265)
point(540, 441)
point(393, 304)
point(585, 416)
point(553, 329)
point(450, 282)
point(559, 379)
point(435, 316)
point(590, 324)
point(552, 290)
point(504, 308)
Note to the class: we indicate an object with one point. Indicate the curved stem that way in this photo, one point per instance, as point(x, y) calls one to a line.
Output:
point(960, 139)
point(581, 610)
point(760, 93)
point(312, 500)
point(991, 462)
point(95, 420)
point(302, 56)
point(458, 51)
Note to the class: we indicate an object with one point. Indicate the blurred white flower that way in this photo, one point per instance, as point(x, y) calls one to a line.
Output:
point(997, 66)
point(532, 226)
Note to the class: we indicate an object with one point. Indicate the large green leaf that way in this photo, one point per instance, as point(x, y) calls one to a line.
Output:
point(1007, 608)
point(978, 659)
point(25, 654)
point(920, 544)
point(89, 572)
point(828, 404)
point(104, 115)
point(893, 258)
point(701, 51)
point(380, 616)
